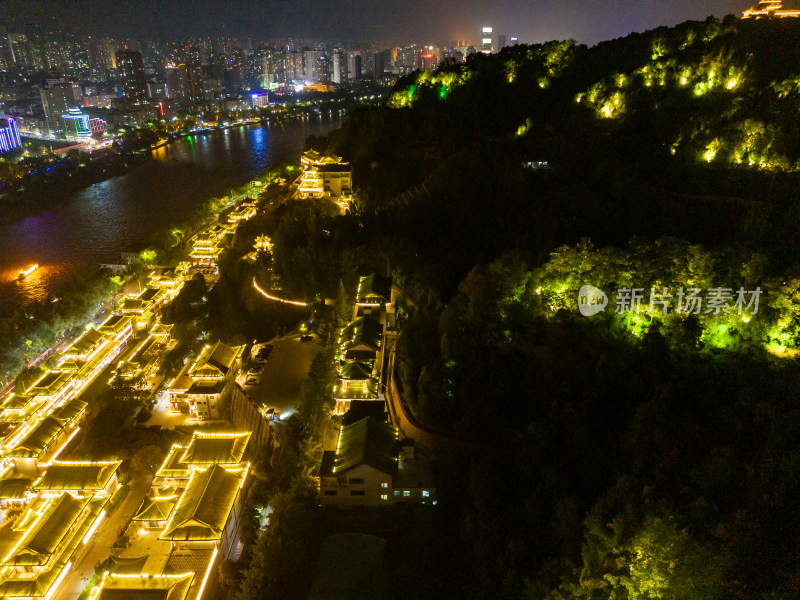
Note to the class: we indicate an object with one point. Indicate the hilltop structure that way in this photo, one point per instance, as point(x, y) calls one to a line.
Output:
point(769, 9)
point(324, 177)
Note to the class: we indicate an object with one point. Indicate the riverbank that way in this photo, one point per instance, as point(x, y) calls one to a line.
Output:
point(155, 205)
point(35, 329)
point(75, 171)
point(80, 170)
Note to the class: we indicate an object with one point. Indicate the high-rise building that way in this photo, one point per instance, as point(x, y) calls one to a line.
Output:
point(514, 40)
point(352, 55)
point(194, 74)
point(314, 67)
point(382, 59)
point(294, 66)
point(18, 50)
point(379, 66)
point(131, 70)
point(501, 42)
point(101, 54)
point(57, 99)
point(426, 60)
point(339, 67)
point(177, 84)
point(486, 40)
point(9, 134)
point(156, 90)
point(234, 72)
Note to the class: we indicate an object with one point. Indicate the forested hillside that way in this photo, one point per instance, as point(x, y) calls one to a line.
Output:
point(630, 454)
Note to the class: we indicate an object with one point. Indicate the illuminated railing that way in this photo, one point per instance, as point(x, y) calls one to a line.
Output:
point(275, 298)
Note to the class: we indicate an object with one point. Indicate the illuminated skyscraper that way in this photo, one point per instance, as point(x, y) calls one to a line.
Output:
point(9, 135)
point(486, 40)
point(76, 124)
point(131, 70)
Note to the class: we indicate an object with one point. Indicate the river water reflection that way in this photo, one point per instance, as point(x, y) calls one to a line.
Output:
point(72, 233)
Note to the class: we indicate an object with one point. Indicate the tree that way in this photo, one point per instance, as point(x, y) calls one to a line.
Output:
point(147, 459)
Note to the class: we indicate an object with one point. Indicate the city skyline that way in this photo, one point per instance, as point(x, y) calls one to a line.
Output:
point(339, 20)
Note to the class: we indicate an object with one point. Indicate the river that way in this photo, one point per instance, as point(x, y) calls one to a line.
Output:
point(69, 234)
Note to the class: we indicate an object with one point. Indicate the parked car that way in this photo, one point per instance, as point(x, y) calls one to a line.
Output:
point(252, 381)
point(307, 338)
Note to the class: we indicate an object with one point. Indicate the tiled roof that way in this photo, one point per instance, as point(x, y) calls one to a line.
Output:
point(86, 477)
point(216, 448)
point(203, 509)
point(367, 441)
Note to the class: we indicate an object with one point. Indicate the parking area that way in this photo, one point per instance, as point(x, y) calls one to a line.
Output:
point(280, 381)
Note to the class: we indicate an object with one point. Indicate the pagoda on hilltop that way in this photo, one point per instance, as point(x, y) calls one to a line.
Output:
point(770, 8)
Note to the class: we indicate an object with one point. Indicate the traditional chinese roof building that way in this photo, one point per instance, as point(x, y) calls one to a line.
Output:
point(44, 542)
point(370, 467)
point(79, 478)
point(141, 362)
point(357, 381)
point(119, 586)
point(770, 9)
point(206, 506)
point(263, 243)
point(199, 384)
point(360, 340)
point(155, 510)
point(324, 176)
point(169, 278)
point(215, 449)
point(243, 212)
point(173, 471)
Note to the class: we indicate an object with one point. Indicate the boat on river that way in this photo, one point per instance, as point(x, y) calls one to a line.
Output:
point(25, 272)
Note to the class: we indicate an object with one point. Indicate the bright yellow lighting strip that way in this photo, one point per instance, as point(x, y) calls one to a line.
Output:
point(208, 572)
point(64, 445)
point(30, 528)
point(94, 527)
point(266, 295)
point(57, 583)
point(140, 576)
point(209, 435)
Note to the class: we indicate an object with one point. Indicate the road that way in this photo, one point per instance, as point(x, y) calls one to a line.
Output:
point(104, 538)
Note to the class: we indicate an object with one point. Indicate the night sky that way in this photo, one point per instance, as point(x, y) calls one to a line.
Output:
point(425, 21)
